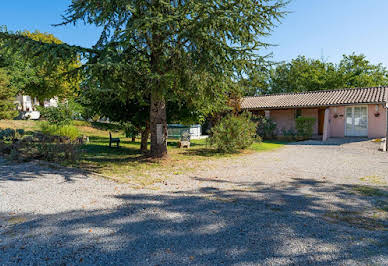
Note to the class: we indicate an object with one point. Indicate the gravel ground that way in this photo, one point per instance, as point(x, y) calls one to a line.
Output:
point(301, 204)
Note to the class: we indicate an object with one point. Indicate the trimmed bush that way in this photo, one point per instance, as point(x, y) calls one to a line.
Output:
point(304, 126)
point(233, 133)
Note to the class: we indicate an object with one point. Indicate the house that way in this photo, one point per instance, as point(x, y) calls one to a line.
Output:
point(26, 104)
point(358, 112)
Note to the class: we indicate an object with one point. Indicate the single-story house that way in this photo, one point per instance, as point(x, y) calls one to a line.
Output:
point(360, 112)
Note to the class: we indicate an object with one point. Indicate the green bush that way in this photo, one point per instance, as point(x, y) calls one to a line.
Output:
point(233, 133)
point(304, 126)
point(68, 131)
point(61, 115)
point(265, 127)
point(10, 134)
point(130, 130)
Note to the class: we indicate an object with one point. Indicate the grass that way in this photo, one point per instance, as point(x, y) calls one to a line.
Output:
point(370, 191)
point(373, 180)
point(358, 219)
point(127, 164)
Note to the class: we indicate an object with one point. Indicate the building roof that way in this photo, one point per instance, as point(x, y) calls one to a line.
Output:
point(317, 98)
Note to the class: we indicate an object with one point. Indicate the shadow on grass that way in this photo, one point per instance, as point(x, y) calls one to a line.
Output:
point(107, 126)
point(253, 223)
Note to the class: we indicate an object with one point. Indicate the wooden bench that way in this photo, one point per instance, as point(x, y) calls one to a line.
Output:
point(113, 140)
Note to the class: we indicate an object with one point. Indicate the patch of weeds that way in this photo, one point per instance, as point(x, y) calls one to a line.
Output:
point(370, 191)
point(356, 219)
point(382, 205)
point(374, 180)
point(16, 220)
point(216, 198)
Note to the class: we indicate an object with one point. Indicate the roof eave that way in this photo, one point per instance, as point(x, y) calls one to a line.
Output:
point(308, 106)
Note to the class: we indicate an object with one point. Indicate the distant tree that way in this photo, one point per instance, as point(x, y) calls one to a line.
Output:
point(303, 74)
point(39, 79)
point(7, 97)
point(357, 71)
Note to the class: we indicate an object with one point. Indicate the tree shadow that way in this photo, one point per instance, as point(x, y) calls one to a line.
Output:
point(30, 171)
point(266, 224)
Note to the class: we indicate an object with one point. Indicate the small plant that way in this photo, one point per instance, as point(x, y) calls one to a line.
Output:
point(233, 133)
point(265, 127)
point(304, 126)
point(288, 134)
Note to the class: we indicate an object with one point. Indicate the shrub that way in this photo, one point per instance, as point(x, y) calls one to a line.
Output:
point(130, 131)
point(304, 126)
point(10, 134)
point(265, 127)
point(233, 133)
point(68, 131)
point(61, 115)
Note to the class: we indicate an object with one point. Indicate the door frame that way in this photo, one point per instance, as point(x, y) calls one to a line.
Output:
point(321, 120)
point(346, 116)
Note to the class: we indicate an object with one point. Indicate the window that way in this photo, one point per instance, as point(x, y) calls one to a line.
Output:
point(298, 113)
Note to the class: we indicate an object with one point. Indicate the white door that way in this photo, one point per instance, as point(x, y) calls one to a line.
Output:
point(356, 124)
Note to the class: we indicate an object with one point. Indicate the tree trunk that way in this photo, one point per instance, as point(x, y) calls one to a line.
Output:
point(158, 124)
point(144, 138)
point(133, 138)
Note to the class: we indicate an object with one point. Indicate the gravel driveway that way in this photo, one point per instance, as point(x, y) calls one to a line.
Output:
point(301, 204)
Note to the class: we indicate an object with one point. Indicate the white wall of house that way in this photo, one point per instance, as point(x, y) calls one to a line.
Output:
point(26, 103)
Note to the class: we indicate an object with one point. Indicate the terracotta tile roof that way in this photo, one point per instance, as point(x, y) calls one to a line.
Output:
point(317, 98)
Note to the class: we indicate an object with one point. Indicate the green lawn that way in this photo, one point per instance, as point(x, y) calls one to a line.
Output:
point(127, 164)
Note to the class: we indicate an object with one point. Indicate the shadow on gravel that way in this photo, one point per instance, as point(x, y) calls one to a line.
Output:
point(249, 224)
point(28, 171)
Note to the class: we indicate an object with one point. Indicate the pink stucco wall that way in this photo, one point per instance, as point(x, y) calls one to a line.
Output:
point(337, 125)
point(376, 125)
point(284, 119)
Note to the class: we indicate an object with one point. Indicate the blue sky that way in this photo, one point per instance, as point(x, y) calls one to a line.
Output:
point(313, 28)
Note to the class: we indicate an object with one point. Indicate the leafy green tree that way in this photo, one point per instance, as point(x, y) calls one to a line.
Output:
point(180, 50)
point(303, 74)
point(7, 97)
point(357, 71)
point(39, 79)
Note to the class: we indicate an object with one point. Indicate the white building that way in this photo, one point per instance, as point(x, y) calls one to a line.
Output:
point(27, 104)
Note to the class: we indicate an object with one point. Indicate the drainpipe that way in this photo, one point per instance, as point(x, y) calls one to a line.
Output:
point(326, 132)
